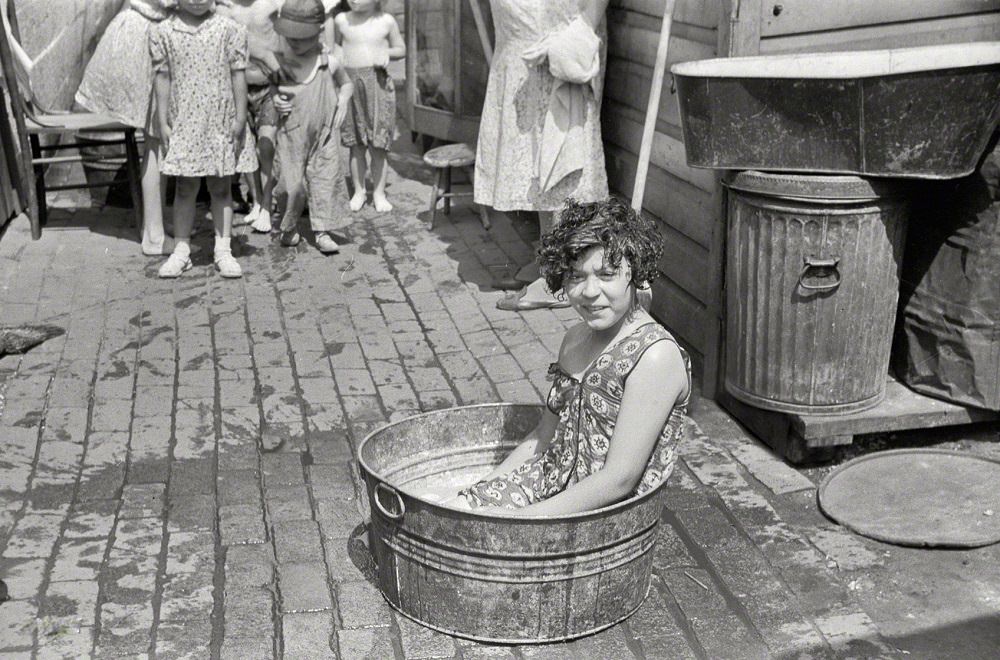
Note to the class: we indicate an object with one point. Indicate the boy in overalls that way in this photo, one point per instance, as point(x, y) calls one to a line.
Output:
point(313, 96)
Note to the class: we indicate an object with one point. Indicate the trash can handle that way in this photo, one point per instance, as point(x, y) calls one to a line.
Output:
point(813, 263)
point(381, 485)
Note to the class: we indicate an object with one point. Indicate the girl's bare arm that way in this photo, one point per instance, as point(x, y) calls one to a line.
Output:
point(537, 441)
point(656, 383)
point(397, 47)
point(161, 87)
point(239, 79)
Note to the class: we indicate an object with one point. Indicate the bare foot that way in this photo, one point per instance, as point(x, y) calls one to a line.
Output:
point(357, 201)
point(382, 204)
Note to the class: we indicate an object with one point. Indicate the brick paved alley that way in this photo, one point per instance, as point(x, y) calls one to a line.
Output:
point(177, 475)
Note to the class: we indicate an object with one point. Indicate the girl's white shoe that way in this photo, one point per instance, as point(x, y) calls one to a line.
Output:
point(227, 265)
point(174, 266)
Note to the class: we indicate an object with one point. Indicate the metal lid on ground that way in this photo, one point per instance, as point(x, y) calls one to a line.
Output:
point(917, 497)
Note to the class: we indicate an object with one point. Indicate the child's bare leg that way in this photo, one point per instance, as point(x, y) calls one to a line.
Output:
point(184, 202)
point(253, 183)
point(358, 171)
point(379, 173)
point(222, 218)
point(154, 240)
point(265, 172)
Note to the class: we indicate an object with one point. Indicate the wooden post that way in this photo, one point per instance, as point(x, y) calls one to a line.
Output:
point(652, 107)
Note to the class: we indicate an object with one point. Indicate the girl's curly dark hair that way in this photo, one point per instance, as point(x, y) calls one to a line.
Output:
point(611, 224)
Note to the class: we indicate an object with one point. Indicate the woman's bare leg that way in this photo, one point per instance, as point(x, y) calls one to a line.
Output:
point(154, 239)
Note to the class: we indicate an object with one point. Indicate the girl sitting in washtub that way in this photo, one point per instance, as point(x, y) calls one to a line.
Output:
point(621, 385)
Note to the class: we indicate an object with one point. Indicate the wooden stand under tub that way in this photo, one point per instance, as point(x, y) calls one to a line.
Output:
point(801, 437)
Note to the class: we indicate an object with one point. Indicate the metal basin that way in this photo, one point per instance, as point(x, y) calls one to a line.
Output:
point(910, 112)
point(484, 575)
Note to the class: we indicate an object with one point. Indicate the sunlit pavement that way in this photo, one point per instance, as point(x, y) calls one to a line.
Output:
point(177, 472)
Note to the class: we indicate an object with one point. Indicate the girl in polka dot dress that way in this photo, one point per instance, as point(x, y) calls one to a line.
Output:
point(618, 402)
point(199, 58)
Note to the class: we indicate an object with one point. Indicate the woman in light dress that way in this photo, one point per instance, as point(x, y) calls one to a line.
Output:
point(518, 94)
point(118, 82)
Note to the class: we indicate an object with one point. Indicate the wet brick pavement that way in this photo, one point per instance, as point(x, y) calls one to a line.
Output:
point(177, 474)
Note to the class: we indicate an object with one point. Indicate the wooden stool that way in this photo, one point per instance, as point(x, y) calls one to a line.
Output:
point(443, 159)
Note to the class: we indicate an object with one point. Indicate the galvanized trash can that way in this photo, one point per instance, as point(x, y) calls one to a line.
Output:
point(811, 288)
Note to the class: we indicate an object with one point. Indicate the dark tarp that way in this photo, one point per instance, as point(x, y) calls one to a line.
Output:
point(948, 333)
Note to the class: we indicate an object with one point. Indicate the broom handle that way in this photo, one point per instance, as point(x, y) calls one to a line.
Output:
point(653, 107)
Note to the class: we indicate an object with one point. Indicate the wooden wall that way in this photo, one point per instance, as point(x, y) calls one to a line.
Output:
point(686, 201)
point(800, 26)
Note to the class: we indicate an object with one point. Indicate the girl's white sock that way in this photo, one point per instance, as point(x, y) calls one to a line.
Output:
point(182, 247)
point(222, 244)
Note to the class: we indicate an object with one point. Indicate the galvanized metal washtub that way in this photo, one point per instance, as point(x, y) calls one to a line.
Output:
point(483, 575)
point(924, 112)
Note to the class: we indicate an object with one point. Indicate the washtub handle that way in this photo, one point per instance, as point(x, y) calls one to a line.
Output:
point(400, 505)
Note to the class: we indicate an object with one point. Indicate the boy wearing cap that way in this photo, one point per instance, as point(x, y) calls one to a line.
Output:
point(313, 96)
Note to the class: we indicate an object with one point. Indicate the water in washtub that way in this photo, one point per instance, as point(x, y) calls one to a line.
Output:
point(444, 486)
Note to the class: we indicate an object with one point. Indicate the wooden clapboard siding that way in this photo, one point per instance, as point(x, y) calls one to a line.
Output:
point(685, 201)
point(977, 27)
point(674, 201)
point(803, 16)
point(684, 316)
point(841, 25)
point(698, 12)
point(668, 145)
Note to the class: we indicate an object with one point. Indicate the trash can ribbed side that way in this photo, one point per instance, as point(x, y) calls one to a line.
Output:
point(812, 284)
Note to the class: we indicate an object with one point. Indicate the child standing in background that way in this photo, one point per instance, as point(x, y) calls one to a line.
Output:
point(263, 42)
point(201, 95)
point(313, 98)
point(370, 38)
point(118, 82)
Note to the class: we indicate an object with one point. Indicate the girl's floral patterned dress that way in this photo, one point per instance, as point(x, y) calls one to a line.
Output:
point(588, 410)
point(200, 61)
